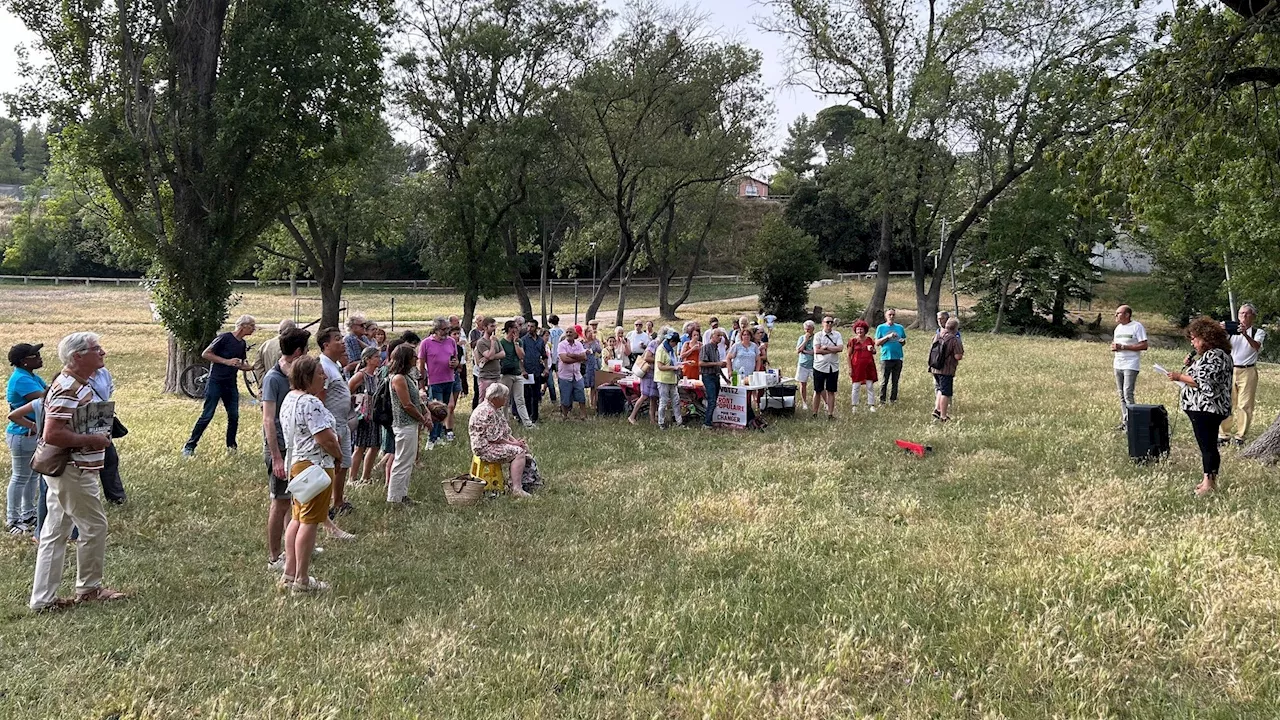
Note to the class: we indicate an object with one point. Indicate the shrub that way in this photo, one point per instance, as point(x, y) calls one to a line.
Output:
point(783, 260)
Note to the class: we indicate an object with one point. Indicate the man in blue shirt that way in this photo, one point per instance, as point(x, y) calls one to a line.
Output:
point(535, 365)
point(227, 355)
point(23, 387)
point(890, 337)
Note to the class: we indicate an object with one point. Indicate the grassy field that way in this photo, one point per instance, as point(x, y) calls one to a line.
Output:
point(1025, 569)
point(270, 304)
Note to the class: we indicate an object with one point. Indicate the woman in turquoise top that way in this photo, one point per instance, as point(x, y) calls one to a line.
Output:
point(744, 357)
point(23, 387)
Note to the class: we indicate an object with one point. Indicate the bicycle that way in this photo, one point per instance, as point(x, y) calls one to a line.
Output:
point(195, 377)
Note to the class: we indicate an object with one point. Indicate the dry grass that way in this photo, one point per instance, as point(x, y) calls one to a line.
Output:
point(1025, 569)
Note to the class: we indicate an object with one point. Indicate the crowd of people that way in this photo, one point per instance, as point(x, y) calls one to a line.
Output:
point(358, 409)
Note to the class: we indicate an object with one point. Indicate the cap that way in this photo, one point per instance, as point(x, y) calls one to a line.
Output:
point(22, 351)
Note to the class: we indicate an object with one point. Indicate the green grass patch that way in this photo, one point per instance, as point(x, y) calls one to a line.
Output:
point(1025, 569)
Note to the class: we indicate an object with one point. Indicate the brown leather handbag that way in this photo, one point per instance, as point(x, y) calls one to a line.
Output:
point(50, 460)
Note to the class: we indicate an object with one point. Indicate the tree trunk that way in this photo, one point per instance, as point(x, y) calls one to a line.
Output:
point(1059, 316)
point(330, 302)
point(1267, 447)
point(621, 257)
point(544, 278)
point(468, 311)
point(924, 320)
point(179, 359)
point(1004, 296)
point(517, 274)
point(875, 309)
point(622, 291)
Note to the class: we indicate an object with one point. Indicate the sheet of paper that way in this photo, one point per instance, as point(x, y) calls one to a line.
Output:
point(1162, 371)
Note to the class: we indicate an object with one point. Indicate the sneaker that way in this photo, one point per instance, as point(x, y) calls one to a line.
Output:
point(448, 436)
point(804, 406)
point(344, 509)
point(1120, 428)
point(188, 452)
point(853, 411)
point(276, 565)
point(1238, 442)
point(873, 408)
point(233, 450)
point(1224, 441)
point(17, 529)
point(431, 445)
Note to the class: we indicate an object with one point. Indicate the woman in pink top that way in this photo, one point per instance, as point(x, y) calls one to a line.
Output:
point(437, 363)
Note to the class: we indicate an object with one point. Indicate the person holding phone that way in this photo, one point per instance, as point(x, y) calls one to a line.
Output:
point(1246, 343)
point(890, 338)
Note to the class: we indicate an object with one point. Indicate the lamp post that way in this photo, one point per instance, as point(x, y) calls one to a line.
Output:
point(593, 271)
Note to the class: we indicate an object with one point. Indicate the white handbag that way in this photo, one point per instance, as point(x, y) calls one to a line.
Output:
point(309, 483)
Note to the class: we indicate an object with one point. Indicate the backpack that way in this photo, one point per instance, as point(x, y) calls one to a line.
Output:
point(381, 415)
point(938, 354)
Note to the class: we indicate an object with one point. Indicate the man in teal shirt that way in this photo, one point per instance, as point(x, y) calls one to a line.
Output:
point(890, 337)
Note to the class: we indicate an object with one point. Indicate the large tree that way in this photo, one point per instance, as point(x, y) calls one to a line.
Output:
point(1010, 79)
point(352, 210)
point(666, 108)
point(204, 119)
point(474, 78)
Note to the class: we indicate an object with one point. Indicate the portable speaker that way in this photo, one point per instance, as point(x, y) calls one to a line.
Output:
point(1148, 432)
point(610, 400)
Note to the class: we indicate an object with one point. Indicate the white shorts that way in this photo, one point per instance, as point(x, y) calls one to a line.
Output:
point(804, 374)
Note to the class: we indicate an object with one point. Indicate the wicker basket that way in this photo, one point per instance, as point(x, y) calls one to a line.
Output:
point(463, 490)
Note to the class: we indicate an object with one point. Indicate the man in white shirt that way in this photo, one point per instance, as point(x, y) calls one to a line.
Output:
point(1127, 345)
point(827, 346)
point(639, 340)
point(1245, 346)
point(337, 401)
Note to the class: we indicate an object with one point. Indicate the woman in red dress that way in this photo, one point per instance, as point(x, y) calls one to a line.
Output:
point(862, 364)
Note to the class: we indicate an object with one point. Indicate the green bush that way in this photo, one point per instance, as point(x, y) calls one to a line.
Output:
point(783, 260)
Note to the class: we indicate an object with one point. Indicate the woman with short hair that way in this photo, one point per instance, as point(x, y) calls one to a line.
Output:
point(591, 344)
point(491, 438)
point(309, 433)
point(804, 366)
point(1206, 393)
point(744, 357)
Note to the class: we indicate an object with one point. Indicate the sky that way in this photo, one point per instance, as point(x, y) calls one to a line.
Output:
point(729, 19)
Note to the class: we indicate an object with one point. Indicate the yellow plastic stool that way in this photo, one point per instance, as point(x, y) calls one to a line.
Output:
point(490, 473)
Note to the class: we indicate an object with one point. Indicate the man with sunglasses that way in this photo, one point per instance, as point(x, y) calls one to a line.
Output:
point(827, 346)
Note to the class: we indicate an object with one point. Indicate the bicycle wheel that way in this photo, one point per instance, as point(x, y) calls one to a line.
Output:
point(253, 385)
point(193, 380)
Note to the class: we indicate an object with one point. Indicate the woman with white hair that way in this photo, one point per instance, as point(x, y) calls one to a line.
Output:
point(491, 438)
point(227, 355)
point(359, 336)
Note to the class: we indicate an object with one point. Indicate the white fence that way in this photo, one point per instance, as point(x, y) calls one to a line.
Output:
point(410, 284)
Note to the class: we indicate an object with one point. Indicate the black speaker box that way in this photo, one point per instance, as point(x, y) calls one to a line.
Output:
point(1148, 432)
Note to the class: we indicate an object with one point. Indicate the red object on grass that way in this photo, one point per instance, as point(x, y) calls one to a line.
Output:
point(914, 448)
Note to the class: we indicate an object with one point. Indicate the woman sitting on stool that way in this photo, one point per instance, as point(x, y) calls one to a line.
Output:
point(491, 438)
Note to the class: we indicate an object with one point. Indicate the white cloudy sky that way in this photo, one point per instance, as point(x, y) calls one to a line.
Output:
point(731, 19)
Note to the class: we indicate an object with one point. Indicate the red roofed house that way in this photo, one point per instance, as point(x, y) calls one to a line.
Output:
point(749, 187)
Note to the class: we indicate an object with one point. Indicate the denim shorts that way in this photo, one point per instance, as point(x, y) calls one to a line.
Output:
point(571, 391)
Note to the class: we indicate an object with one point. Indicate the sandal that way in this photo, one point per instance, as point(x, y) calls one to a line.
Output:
point(100, 594)
point(309, 586)
point(57, 604)
point(341, 534)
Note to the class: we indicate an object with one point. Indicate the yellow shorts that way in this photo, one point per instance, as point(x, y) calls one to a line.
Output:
point(316, 510)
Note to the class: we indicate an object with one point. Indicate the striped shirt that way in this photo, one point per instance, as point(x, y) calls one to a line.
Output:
point(65, 395)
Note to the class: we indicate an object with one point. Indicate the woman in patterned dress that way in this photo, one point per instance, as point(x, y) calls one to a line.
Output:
point(491, 438)
point(1206, 393)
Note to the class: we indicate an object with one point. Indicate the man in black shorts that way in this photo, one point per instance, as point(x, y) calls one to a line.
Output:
point(275, 385)
point(827, 346)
